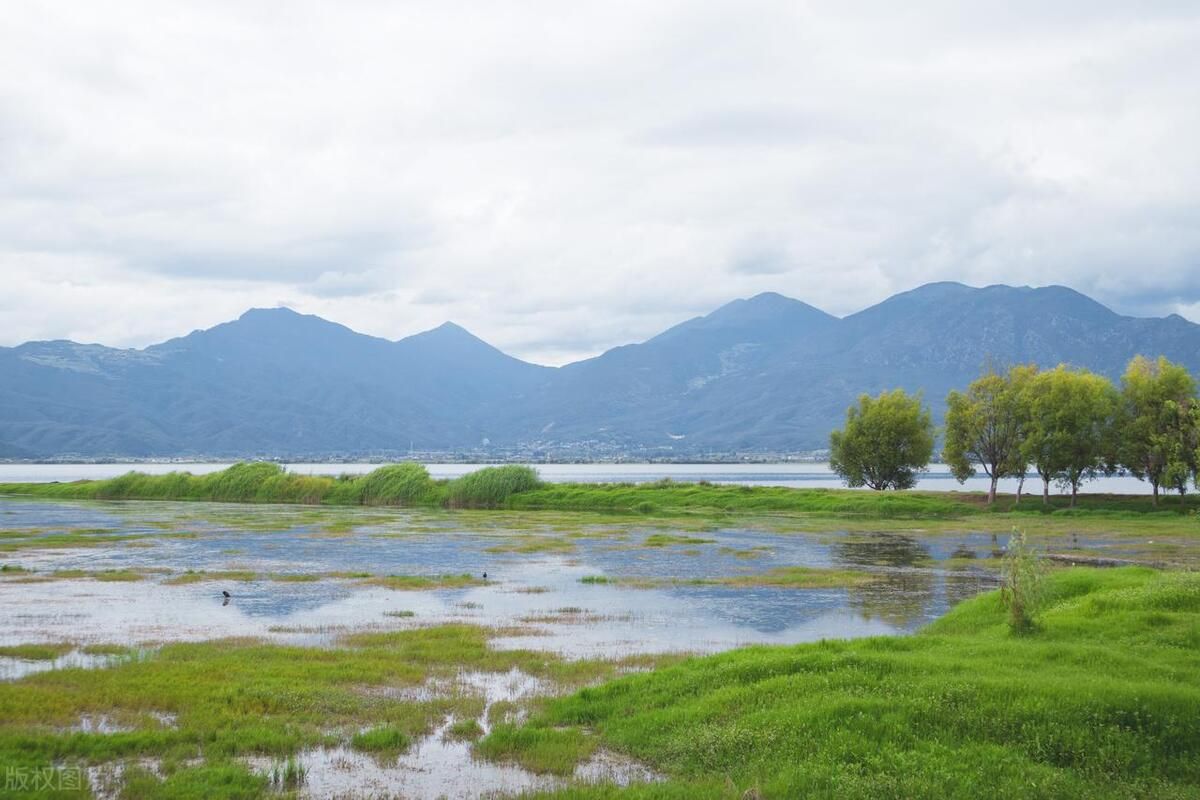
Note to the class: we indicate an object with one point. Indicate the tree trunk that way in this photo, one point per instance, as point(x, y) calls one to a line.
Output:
point(1074, 492)
point(1155, 485)
point(1020, 486)
point(992, 490)
point(1045, 491)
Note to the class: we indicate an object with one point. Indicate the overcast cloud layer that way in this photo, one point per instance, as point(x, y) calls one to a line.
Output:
point(564, 177)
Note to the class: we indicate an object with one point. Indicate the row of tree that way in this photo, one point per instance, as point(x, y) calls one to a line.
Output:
point(1067, 425)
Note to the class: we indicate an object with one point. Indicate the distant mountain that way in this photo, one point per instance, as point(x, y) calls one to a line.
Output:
point(765, 373)
point(273, 381)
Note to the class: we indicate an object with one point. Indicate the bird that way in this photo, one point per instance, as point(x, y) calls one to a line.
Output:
point(485, 576)
point(224, 593)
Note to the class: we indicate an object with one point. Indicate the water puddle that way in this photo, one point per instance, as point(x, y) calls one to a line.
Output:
point(439, 765)
point(14, 668)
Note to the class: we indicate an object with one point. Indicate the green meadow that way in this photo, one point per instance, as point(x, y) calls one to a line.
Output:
point(1100, 700)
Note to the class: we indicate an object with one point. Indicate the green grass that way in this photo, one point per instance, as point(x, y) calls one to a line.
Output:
point(540, 749)
point(668, 539)
point(514, 487)
point(535, 543)
point(667, 497)
point(425, 582)
point(464, 730)
point(106, 575)
point(202, 576)
point(236, 698)
point(35, 652)
point(1101, 700)
point(801, 578)
point(384, 739)
point(780, 577)
point(491, 487)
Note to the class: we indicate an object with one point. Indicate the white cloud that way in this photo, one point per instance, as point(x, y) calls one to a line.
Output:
point(564, 178)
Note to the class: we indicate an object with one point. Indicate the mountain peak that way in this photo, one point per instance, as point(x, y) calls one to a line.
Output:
point(278, 312)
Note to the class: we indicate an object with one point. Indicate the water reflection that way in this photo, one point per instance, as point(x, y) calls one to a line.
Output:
point(879, 550)
point(674, 614)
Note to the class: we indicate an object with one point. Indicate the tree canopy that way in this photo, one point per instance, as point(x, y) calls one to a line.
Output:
point(1159, 423)
point(886, 443)
point(1068, 426)
point(984, 426)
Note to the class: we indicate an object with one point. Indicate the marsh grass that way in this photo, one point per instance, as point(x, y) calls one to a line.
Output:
point(668, 539)
point(802, 578)
point(384, 740)
point(425, 582)
point(780, 577)
point(464, 730)
point(288, 774)
point(534, 543)
point(1024, 589)
point(36, 652)
point(540, 749)
point(1102, 700)
point(238, 698)
point(491, 487)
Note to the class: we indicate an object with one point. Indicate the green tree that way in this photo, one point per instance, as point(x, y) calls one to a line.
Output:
point(887, 441)
point(1157, 423)
point(1069, 424)
point(985, 426)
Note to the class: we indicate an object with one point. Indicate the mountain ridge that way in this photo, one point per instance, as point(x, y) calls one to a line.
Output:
point(764, 373)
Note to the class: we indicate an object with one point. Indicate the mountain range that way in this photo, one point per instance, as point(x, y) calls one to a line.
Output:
point(764, 374)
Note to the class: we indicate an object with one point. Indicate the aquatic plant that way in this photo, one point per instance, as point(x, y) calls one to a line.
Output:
point(1024, 589)
point(288, 774)
point(491, 487)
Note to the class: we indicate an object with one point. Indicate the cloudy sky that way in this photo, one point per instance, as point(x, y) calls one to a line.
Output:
point(564, 177)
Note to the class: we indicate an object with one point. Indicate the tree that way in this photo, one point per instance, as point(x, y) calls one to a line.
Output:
point(1158, 423)
point(1068, 428)
point(985, 425)
point(887, 441)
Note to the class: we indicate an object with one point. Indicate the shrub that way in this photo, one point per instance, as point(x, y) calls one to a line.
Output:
point(241, 482)
point(1024, 589)
point(492, 486)
point(398, 485)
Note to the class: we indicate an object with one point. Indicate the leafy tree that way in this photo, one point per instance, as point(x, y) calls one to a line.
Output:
point(1158, 423)
point(1069, 425)
point(985, 426)
point(887, 441)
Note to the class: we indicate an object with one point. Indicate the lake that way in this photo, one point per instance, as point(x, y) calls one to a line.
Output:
point(794, 474)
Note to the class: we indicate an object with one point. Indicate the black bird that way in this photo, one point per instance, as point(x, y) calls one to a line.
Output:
point(485, 576)
point(226, 594)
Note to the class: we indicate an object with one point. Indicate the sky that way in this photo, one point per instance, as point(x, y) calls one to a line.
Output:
point(561, 178)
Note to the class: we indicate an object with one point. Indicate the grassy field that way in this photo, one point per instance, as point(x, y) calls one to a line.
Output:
point(1102, 700)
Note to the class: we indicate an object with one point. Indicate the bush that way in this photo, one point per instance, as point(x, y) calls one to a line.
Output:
point(241, 482)
point(492, 486)
point(398, 485)
point(1024, 589)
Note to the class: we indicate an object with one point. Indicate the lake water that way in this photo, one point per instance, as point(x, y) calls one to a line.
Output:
point(794, 474)
point(166, 539)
